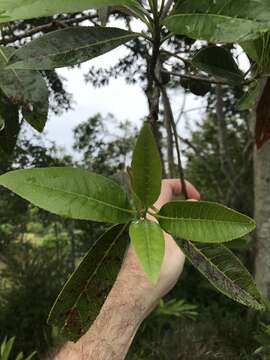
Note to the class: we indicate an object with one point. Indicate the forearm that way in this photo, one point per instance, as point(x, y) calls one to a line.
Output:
point(131, 299)
point(110, 336)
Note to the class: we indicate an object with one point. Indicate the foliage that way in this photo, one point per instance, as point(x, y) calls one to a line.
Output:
point(101, 150)
point(177, 308)
point(32, 276)
point(263, 338)
point(218, 332)
point(204, 164)
point(219, 21)
point(6, 349)
point(78, 194)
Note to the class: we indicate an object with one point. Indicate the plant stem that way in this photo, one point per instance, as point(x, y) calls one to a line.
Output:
point(153, 91)
point(176, 139)
point(166, 9)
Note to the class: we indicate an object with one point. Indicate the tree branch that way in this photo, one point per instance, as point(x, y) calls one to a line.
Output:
point(205, 79)
point(176, 139)
point(170, 141)
point(166, 9)
point(47, 27)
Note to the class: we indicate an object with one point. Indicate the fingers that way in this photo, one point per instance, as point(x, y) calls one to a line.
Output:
point(171, 188)
point(176, 188)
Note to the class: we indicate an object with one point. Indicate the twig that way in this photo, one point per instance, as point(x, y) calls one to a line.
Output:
point(206, 79)
point(176, 139)
point(45, 27)
point(182, 109)
point(185, 61)
point(166, 9)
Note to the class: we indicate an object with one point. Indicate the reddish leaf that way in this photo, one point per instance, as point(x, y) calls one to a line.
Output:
point(262, 132)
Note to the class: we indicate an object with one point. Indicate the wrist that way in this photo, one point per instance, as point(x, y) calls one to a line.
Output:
point(117, 323)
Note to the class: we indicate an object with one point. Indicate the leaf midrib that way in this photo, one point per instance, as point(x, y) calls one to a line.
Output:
point(130, 211)
point(203, 220)
point(227, 17)
point(94, 273)
point(41, 57)
point(148, 248)
point(230, 280)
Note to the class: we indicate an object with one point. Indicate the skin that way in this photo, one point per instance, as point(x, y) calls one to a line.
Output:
point(132, 297)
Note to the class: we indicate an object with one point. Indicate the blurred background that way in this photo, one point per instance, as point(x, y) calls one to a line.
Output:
point(96, 110)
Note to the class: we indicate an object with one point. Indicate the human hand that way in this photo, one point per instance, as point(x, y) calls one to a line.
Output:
point(131, 273)
point(132, 297)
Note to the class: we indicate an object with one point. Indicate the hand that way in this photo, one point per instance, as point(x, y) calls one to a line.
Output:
point(132, 297)
point(131, 272)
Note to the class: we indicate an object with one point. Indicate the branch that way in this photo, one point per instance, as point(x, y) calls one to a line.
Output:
point(170, 140)
point(46, 27)
point(166, 9)
point(167, 104)
point(182, 111)
point(185, 61)
point(206, 79)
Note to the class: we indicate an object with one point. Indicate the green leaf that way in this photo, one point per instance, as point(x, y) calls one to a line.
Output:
point(224, 271)
point(82, 297)
point(259, 51)
point(6, 347)
point(25, 88)
point(67, 47)
point(220, 20)
point(218, 62)
point(146, 169)
point(148, 241)
point(31, 356)
point(71, 192)
point(9, 116)
point(203, 221)
point(249, 99)
point(19, 356)
point(27, 9)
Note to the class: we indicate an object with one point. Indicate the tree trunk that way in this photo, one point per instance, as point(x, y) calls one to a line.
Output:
point(225, 159)
point(262, 203)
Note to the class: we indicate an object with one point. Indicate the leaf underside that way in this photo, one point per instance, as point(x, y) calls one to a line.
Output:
point(25, 88)
point(259, 51)
point(224, 271)
point(82, 297)
point(204, 221)
point(218, 62)
point(220, 20)
point(146, 169)
point(249, 99)
point(68, 47)
point(71, 192)
point(148, 241)
point(22, 9)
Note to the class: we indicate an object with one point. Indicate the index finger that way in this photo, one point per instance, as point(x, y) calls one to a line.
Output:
point(176, 187)
point(171, 188)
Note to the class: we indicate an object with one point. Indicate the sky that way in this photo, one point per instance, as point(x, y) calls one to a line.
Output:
point(124, 101)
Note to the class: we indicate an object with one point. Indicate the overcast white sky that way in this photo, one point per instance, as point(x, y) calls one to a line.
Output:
point(123, 100)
